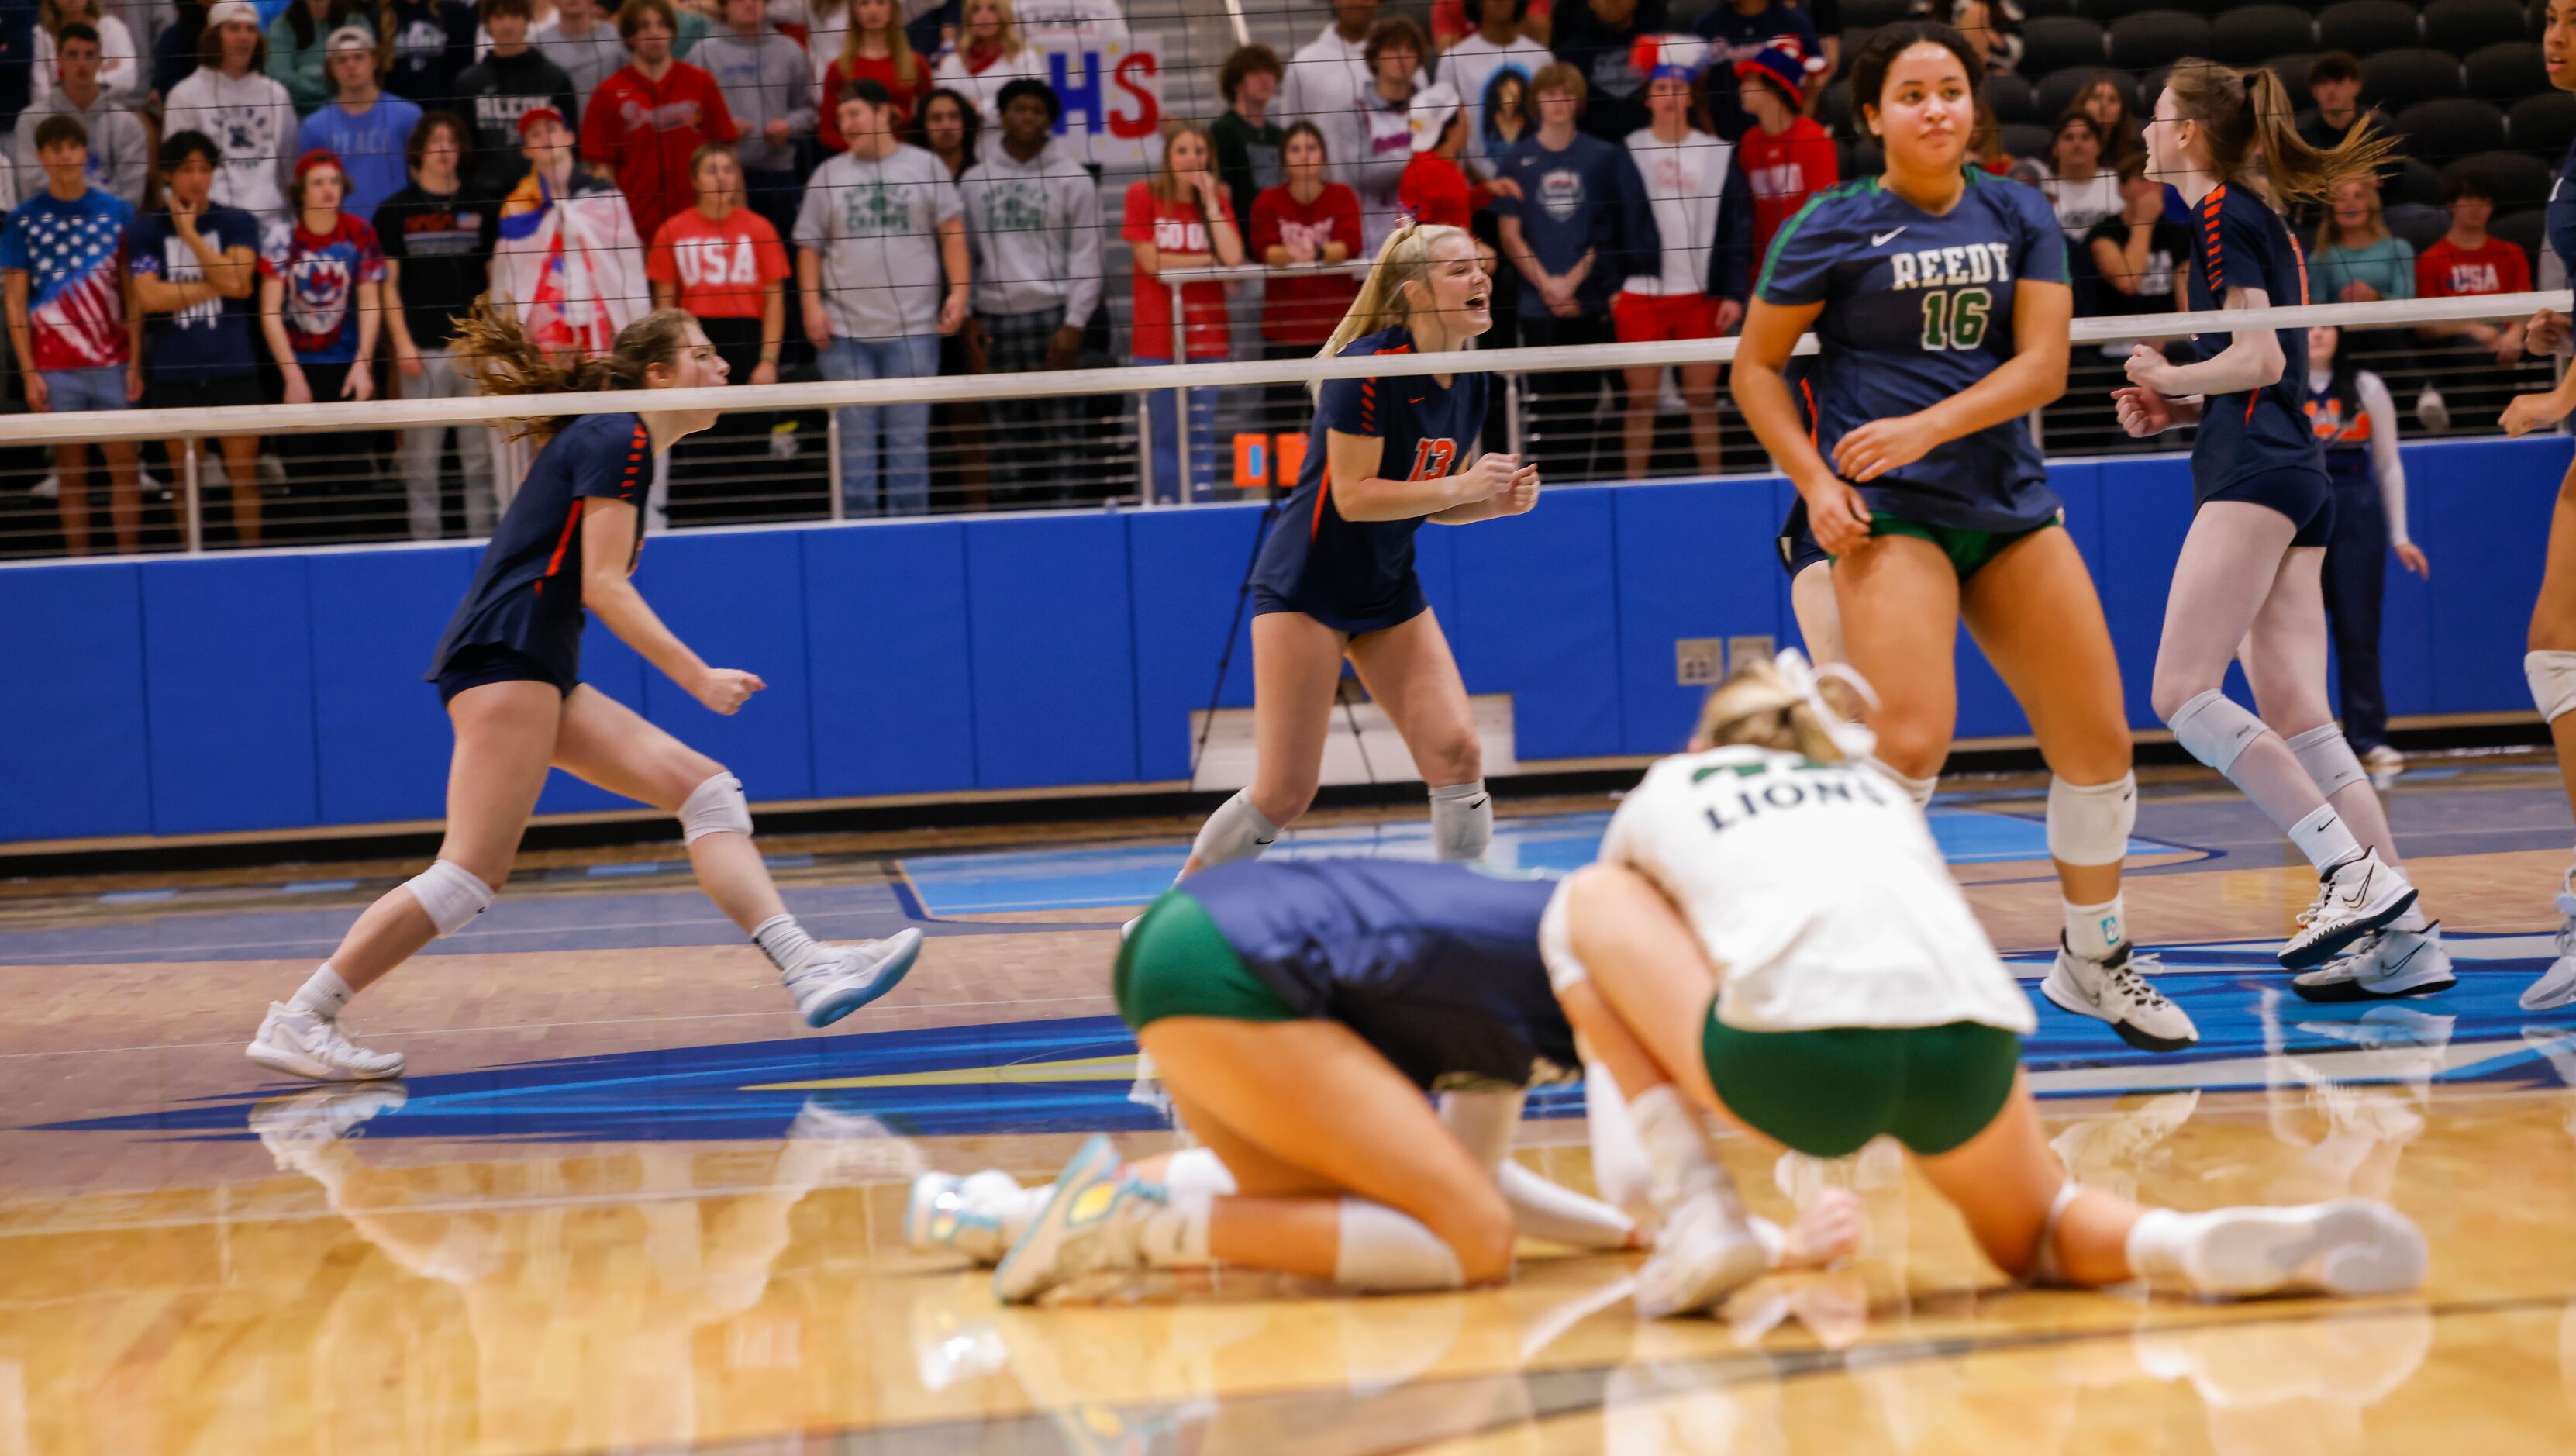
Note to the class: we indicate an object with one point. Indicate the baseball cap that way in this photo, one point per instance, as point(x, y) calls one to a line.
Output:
point(528, 119)
point(349, 38)
point(1433, 106)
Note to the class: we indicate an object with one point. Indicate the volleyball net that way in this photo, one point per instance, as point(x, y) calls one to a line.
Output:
point(1147, 436)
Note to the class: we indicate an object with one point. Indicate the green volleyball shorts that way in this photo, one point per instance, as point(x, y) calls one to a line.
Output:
point(1825, 1093)
point(1177, 963)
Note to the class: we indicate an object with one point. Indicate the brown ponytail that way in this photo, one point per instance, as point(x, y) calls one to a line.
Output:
point(2253, 135)
point(500, 358)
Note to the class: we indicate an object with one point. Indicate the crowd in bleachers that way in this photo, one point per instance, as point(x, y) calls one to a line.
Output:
point(290, 200)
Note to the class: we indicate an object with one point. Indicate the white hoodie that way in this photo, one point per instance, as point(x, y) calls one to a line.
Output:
point(252, 122)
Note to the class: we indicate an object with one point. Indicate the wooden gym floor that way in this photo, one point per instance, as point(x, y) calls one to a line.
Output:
point(625, 1201)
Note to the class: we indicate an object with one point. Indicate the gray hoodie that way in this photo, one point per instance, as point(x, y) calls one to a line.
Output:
point(1035, 230)
point(120, 153)
point(767, 78)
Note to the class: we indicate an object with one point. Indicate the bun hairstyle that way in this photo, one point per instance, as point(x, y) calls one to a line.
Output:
point(1404, 258)
point(1756, 706)
point(500, 358)
point(2252, 133)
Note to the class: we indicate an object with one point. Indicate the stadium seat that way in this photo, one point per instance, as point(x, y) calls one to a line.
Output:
point(2055, 42)
point(2110, 12)
point(2157, 38)
point(2420, 225)
point(2504, 71)
point(2443, 131)
point(1860, 159)
point(2543, 125)
point(2520, 179)
point(2028, 139)
point(2293, 71)
point(2058, 89)
point(2412, 184)
point(2465, 25)
point(2010, 96)
point(2151, 85)
point(2031, 9)
point(2256, 33)
point(1870, 14)
point(2527, 230)
point(2395, 80)
point(1854, 37)
point(2367, 27)
point(1834, 108)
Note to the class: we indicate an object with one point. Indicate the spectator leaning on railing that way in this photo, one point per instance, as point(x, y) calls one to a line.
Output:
point(1180, 218)
point(438, 237)
point(2354, 258)
point(318, 306)
point(1694, 287)
point(119, 150)
point(366, 129)
point(880, 226)
point(723, 264)
point(1307, 220)
point(251, 117)
point(1033, 219)
point(297, 47)
point(196, 274)
point(645, 122)
point(2465, 262)
point(768, 85)
point(1787, 158)
point(502, 88)
point(73, 325)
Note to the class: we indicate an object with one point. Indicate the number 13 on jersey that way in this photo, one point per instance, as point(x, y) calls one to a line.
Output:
point(1431, 458)
point(1955, 318)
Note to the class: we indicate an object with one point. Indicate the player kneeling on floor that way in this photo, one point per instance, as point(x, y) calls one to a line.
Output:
point(1772, 937)
point(1299, 1013)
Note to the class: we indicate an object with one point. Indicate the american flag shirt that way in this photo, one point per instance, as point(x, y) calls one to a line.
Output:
point(73, 254)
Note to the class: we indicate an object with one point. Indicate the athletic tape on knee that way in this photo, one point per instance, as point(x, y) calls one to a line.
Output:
point(2553, 683)
point(1462, 821)
point(1387, 1252)
point(452, 894)
point(1565, 970)
point(2044, 1268)
point(2214, 728)
point(1236, 831)
point(2329, 759)
point(1919, 790)
point(2089, 824)
point(1198, 1173)
point(715, 807)
point(1484, 1120)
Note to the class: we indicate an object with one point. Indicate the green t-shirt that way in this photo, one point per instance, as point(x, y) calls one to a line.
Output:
point(1247, 159)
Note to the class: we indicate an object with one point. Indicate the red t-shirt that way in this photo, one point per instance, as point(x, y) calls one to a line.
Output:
point(2447, 270)
point(646, 134)
point(1303, 308)
point(1783, 172)
point(880, 69)
point(1175, 227)
point(1433, 190)
point(721, 267)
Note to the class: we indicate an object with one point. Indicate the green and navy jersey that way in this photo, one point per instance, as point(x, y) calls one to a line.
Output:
point(1917, 309)
point(2238, 241)
point(1344, 570)
point(1435, 965)
point(2561, 215)
point(526, 594)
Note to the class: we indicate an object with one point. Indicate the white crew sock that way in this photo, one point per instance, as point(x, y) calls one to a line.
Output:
point(2094, 931)
point(2323, 838)
point(1385, 1251)
point(324, 995)
point(1197, 1171)
point(785, 943)
point(1677, 1156)
point(1545, 1210)
point(1175, 1234)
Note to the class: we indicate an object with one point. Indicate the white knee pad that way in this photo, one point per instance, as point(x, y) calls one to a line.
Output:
point(452, 894)
point(2329, 759)
point(2044, 1268)
point(1919, 790)
point(2553, 683)
point(2089, 824)
point(2214, 728)
point(715, 807)
point(1556, 943)
point(1462, 821)
point(1393, 1253)
point(1235, 831)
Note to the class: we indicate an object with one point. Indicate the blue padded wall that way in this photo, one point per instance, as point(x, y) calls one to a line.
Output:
point(272, 690)
point(380, 738)
point(228, 683)
point(74, 746)
point(890, 657)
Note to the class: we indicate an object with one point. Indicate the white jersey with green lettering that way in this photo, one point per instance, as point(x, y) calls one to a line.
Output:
point(1816, 891)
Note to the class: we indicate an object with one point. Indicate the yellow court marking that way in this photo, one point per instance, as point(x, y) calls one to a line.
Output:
point(1080, 1069)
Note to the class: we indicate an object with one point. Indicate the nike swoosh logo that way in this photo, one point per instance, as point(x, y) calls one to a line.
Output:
point(1879, 240)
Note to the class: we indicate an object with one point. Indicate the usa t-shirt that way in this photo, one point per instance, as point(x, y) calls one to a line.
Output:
point(209, 338)
point(2447, 270)
point(322, 274)
point(73, 254)
point(721, 267)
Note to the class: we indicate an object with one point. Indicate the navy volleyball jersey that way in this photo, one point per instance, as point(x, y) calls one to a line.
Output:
point(1358, 575)
point(527, 591)
point(1918, 308)
point(2561, 215)
point(1435, 965)
point(2342, 429)
point(2238, 241)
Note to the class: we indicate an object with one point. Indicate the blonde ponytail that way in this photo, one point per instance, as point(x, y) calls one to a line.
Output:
point(500, 358)
point(1756, 706)
point(1404, 258)
point(2253, 134)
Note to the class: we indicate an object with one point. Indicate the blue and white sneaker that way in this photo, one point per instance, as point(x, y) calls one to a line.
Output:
point(2557, 985)
point(980, 1215)
point(2387, 964)
point(1091, 1222)
point(843, 978)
